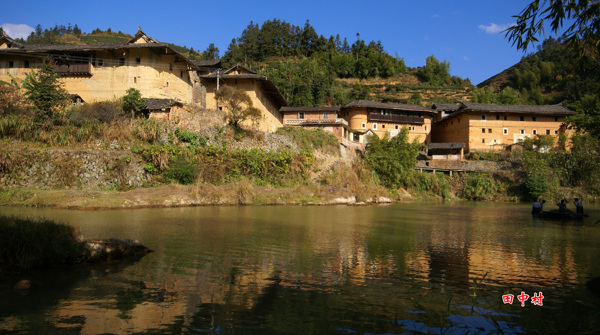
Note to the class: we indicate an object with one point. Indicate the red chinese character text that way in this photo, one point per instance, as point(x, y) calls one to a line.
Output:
point(522, 298)
point(508, 298)
point(537, 299)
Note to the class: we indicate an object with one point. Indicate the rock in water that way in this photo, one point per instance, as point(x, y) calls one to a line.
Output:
point(114, 248)
point(22, 285)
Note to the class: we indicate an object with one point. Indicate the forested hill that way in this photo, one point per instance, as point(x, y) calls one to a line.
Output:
point(312, 70)
point(309, 69)
point(551, 76)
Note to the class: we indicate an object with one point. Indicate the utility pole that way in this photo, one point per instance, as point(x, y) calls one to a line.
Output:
point(218, 72)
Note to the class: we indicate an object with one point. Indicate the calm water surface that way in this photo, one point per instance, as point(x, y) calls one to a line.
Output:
point(398, 269)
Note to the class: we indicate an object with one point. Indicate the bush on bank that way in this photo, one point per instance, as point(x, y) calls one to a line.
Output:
point(28, 243)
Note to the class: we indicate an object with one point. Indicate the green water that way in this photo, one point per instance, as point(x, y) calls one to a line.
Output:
point(398, 269)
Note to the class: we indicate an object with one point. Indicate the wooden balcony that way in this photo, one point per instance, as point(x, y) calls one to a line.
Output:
point(396, 118)
point(78, 69)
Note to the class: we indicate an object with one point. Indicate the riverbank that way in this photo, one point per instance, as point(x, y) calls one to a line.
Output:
point(234, 194)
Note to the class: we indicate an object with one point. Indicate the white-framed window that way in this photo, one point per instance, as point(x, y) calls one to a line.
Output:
point(325, 115)
point(363, 125)
point(374, 126)
point(505, 131)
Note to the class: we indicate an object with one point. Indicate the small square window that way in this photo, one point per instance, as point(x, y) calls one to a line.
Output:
point(505, 118)
point(521, 118)
point(396, 127)
point(522, 131)
point(138, 60)
point(482, 117)
point(533, 118)
point(505, 131)
point(301, 115)
point(483, 130)
point(121, 61)
point(556, 119)
point(483, 140)
point(383, 126)
point(534, 132)
point(363, 125)
point(556, 132)
point(497, 117)
point(374, 126)
point(26, 64)
point(547, 131)
point(100, 62)
point(326, 115)
point(11, 64)
point(490, 130)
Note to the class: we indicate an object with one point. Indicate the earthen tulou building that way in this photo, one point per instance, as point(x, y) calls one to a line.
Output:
point(169, 81)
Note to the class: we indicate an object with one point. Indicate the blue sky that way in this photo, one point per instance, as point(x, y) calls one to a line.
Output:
point(465, 33)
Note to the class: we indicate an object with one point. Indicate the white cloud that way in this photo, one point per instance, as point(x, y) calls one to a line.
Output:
point(436, 16)
point(466, 58)
point(495, 28)
point(17, 30)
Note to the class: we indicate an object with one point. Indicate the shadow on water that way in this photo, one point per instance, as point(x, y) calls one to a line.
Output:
point(50, 287)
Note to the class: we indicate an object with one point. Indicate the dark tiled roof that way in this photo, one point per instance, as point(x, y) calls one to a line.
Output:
point(309, 109)
point(445, 107)
point(449, 145)
point(373, 104)
point(557, 110)
point(153, 104)
point(207, 63)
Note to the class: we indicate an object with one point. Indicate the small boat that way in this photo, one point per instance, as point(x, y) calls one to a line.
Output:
point(555, 214)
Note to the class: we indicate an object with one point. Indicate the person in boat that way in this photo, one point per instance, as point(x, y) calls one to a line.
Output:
point(562, 206)
point(578, 206)
point(537, 207)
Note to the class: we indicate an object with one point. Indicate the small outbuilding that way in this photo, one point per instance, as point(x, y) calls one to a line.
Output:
point(446, 151)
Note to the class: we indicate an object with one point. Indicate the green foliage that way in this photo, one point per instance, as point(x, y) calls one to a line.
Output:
point(211, 52)
point(393, 160)
point(535, 186)
point(183, 170)
point(486, 95)
point(237, 105)
point(479, 187)
point(186, 136)
point(30, 243)
point(43, 90)
point(437, 184)
point(150, 168)
point(434, 73)
point(311, 139)
point(582, 36)
point(279, 168)
point(133, 102)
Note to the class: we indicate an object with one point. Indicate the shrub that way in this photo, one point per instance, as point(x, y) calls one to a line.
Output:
point(11, 101)
point(105, 111)
point(310, 139)
point(535, 186)
point(30, 243)
point(150, 130)
point(182, 170)
point(479, 187)
point(186, 136)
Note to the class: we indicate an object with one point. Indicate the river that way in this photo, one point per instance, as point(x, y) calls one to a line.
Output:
point(395, 269)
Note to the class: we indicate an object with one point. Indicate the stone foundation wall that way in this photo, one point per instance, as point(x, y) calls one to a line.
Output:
point(77, 169)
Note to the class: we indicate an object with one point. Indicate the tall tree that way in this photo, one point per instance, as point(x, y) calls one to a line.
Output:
point(211, 52)
point(583, 33)
point(44, 91)
point(238, 106)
